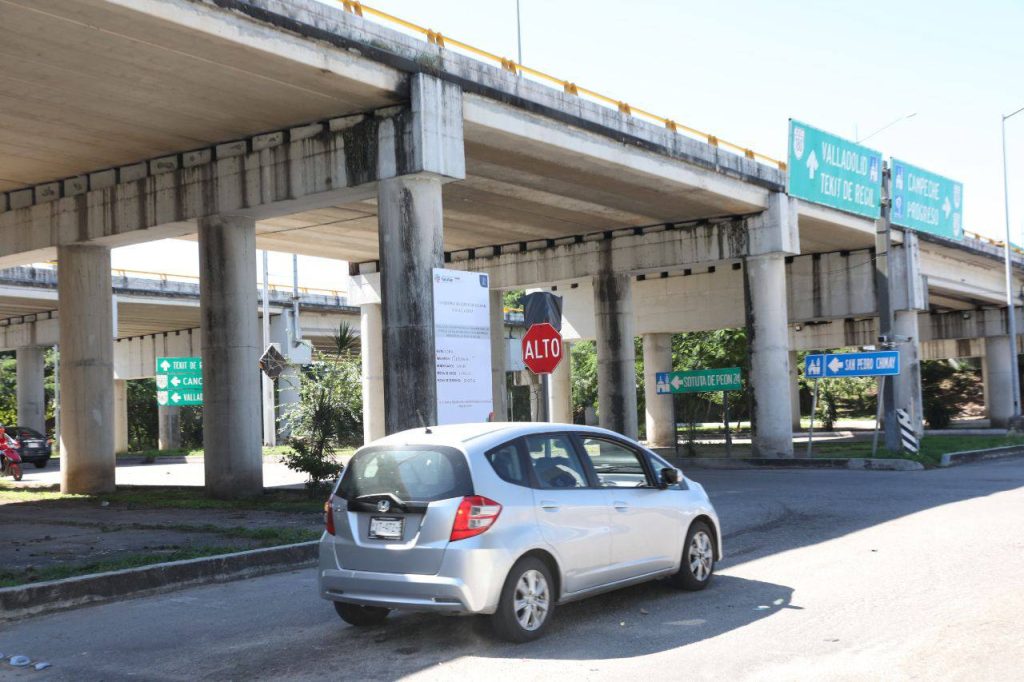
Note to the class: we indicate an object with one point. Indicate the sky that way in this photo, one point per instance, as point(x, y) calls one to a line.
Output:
point(739, 69)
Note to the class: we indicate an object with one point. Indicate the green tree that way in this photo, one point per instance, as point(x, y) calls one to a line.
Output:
point(143, 420)
point(328, 417)
point(583, 356)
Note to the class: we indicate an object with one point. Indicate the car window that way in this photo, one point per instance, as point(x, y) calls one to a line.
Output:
point(555, 462)
point(507, 464)
point(616, 465)
point(410, 474)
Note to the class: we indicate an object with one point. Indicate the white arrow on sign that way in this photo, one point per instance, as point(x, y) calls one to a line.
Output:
point(946, 208)
point(175, 397)
point(835, 365)
point(175, 381)
point(165, 365)
point(812, 164)
point(676, 382)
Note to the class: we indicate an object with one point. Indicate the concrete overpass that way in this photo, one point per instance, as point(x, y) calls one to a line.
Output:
point(305, 128)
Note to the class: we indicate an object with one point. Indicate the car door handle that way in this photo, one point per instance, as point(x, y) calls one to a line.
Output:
point(548, 505)
point(620, 506)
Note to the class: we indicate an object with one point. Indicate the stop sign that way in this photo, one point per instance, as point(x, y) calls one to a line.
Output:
point(542, 348)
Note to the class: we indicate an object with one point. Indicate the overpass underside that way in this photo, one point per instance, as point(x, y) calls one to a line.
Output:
point(298, 127)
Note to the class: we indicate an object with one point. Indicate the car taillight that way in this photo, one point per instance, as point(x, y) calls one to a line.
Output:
point(475, 515)
point(328, 516)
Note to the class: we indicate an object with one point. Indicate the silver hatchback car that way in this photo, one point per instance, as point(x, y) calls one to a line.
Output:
point(508, 520)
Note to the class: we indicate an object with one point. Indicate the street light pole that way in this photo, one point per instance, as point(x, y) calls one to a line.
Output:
point(886, 127)
point(1011, 308)
point(519, 37)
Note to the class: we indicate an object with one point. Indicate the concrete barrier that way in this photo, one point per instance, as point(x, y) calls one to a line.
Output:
point(951, 459)
point(34, 599)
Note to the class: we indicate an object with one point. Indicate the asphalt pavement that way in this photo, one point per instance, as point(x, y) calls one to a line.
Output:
point(847, 575)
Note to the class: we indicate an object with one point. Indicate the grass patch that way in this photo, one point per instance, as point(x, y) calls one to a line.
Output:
point(168, 498)
point(932, 447)
point(59, 571)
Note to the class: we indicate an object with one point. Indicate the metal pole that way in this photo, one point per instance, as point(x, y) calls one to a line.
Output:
point(878, 415)
point(883, 289)
point(1011, 307)
point(675, 428)
point(544, 410)
point(519, 36)
point(296, 327)
point(56, 399)
point(728, 435)
point(269, 430)
point(814, 408)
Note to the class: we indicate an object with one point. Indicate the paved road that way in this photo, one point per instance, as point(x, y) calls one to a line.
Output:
point(831, 575)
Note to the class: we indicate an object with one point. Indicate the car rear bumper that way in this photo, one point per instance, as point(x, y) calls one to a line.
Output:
point(469, 581)
point(33, 456)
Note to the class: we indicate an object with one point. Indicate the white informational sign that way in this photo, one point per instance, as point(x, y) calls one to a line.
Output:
point(462, 341)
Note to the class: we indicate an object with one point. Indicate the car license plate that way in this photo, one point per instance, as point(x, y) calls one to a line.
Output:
point(386, 528)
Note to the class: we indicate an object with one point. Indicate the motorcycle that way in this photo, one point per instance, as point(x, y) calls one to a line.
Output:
point(10, 460)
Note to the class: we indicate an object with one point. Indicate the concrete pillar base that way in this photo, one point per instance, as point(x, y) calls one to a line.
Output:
point(560, 391)
point(499, 392)
point(169, 428)
point(87, 462)
point(410, 227)
point(908, 381)
point(120, 415)
point(794, 390)
point(232, 428)
point(661, 418)
point(997, 376)
point(30, 371)
point(768, 336)
point(371, 346)
point(616, 355)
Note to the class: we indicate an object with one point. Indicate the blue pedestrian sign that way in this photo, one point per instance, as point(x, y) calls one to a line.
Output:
point(831, 365)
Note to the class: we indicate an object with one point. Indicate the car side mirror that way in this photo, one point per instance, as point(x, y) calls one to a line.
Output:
point(669, 476)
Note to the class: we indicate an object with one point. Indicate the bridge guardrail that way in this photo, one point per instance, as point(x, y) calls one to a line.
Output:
point(443, 42)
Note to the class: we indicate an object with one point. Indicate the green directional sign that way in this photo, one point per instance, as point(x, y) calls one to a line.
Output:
point(179, 381)
point(699, 381)
point(826, 169)
point(926, 202)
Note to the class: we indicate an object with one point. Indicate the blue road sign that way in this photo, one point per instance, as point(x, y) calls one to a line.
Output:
point(874, 364)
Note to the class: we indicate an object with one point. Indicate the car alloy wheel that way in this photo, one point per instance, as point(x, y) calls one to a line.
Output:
point(532, 600)
point(700, 555)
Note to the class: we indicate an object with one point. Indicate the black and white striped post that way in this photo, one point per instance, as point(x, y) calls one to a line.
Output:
point(908, 438)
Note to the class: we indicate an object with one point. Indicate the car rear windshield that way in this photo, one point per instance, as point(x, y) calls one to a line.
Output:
point(408, 473)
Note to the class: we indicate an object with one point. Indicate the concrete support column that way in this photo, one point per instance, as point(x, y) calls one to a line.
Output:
point(794, 389)
point(616, 355)
point(768, 338)
point(169, 419)
point(908, 381)
point(120, 415)
point(87, 460)
point(288, 385)
point(499, 392)
point(372, 351)
point(232, 426)
point(998, 381)
point(31, 368)
point(560, 390)
point(411, 238)
point(661, 418)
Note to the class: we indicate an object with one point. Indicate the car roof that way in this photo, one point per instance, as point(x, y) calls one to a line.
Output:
point(482, 435)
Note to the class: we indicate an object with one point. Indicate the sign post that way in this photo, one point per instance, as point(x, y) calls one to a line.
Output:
point(835, 365)
point(179, 381)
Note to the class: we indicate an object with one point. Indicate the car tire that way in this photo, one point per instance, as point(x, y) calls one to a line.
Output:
point(530, 586)
point(361, 616)
point(698, 562)
point(42, 464)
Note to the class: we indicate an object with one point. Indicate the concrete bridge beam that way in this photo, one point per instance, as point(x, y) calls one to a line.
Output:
point(232, 425)
point(86, 369)
point(30, 364)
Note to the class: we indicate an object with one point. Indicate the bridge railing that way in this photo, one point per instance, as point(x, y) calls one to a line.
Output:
point(443, 42)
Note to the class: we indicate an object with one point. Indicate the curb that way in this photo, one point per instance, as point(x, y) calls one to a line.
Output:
point(35, 599)
point(952, 459)
point(854, 463)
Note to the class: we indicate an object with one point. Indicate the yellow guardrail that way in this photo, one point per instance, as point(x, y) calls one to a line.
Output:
point(442, 41)
point(994, 242)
